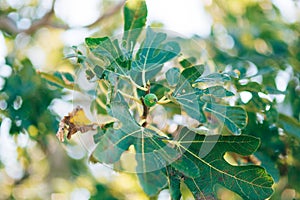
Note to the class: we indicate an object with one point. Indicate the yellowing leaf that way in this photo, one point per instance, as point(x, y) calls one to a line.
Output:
point(74, 122)
point(79, 118)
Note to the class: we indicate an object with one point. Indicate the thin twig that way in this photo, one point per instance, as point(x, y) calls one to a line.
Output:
point(130, 97)
point(135, 84)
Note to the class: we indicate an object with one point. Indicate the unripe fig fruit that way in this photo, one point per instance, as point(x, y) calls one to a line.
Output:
point(150, 99)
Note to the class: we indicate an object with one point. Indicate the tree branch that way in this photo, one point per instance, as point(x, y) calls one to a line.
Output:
point(145, 108)
point(40, 23)
point(107, 14)
point(9, 26)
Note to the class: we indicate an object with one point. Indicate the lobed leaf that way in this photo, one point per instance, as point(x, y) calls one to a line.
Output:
point(137, 75)
point(111, 146)
point(250, 182)
point(152, 154)
point(233, 117)
point(198, 158)
point(154, 51)
point(110, 53)
point(135, 16)
point(152, 182)
point(186, 95)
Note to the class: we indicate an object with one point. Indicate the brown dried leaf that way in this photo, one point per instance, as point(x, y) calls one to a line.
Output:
point(75, 121)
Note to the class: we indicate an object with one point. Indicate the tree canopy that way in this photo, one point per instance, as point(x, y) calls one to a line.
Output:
point(147, 113)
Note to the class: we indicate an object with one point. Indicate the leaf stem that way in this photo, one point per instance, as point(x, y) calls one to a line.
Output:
point(158, 131)
point(139, 110)
point(136, 85)
point(130, 97)
point(162, 102)
point(144, 78)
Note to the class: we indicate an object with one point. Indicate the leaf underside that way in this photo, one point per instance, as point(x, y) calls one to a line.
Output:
point(197, 158)
point(250, 182)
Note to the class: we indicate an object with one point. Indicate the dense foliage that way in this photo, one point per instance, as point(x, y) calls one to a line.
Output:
point(175, 114)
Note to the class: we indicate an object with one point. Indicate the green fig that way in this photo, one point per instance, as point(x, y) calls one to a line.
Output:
point(150, 100)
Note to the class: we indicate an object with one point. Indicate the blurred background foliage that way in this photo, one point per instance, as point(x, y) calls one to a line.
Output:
point(259, 39)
